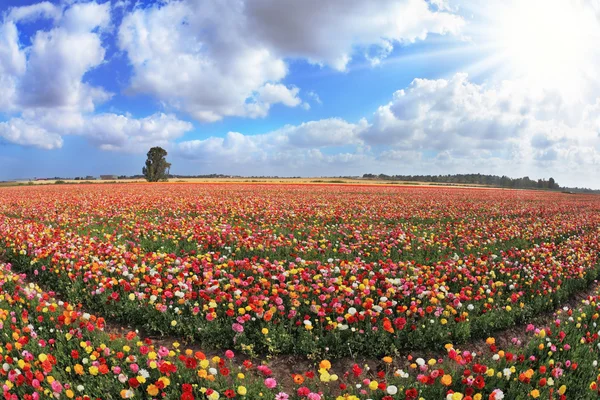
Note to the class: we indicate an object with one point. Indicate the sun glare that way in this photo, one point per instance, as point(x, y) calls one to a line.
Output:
point(549, 43)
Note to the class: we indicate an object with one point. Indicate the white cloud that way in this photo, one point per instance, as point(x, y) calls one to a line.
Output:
point(12, 64)
point(194, 57)
point(44, 9)
point(277, 93)
point(215, 59)
point(26, 133)
point(120, 132)
point(331, 32)
point(85, 17)
point(50, 72)
point(291, 143)
point(53, 78)
point(456, 113)
point(44, 84)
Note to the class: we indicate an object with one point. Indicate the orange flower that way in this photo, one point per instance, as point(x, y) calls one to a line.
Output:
point(446, 380)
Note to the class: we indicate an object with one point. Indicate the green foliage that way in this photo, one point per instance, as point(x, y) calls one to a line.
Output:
point(157, 167)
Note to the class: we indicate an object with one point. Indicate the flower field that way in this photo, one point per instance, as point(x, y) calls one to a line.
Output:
point(308, 270)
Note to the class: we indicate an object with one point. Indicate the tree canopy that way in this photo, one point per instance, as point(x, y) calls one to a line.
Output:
point(157, 168)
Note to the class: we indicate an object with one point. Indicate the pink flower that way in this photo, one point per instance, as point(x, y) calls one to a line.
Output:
point(229, 354)
point(282, 396)
point(313, 396)
point(238, 328)
point(270, 383)
point(56, 387)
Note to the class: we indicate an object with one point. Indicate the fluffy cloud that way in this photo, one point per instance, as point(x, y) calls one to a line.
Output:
point(215, 59)
point(29, 134)
point(49, 73)
point(45, 9)
point(330, 33)
point(120, 132)
point(290, 144)
point(44, 84)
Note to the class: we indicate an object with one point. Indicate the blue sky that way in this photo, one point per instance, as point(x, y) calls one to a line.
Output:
point(299, 88)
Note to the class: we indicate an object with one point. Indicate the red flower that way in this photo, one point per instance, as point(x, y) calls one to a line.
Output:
point(411, 394)
point(187, 396)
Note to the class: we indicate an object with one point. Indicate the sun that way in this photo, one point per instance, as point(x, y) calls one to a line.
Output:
point(548, 43)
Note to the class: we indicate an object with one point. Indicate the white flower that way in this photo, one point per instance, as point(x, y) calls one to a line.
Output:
point(352, 311)
point(80, 388)
point(498, 394)
point(212, 371)
point(392, 390)
point(420, 361)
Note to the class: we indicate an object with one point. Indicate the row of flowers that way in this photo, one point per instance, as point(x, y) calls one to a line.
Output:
point(306, 221)
point(50, 348)
point(321, 306)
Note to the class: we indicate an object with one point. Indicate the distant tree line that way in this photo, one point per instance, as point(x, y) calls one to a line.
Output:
point(473, 179)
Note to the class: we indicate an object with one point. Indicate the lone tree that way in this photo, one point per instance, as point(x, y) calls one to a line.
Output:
point(157, 168)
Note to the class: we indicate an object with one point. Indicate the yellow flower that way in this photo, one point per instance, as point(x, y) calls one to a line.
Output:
point(477, 396)
point(562, 389)
point(93, 370)
point(70, 394)
point(457, 396)
point(242, 390)
point(264, 331)
point(42, 357)
point(373, 385)
point(213, 396)
point(173, 323)
point(324, 377)
point(535, 393)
